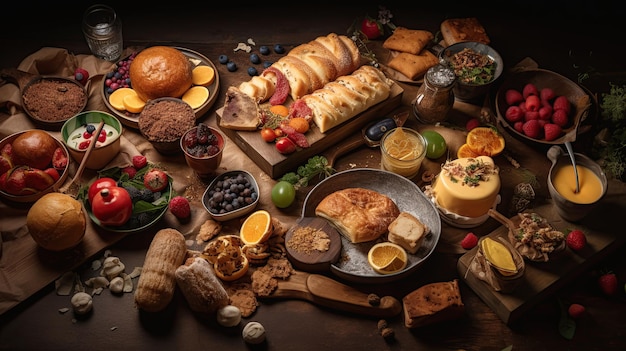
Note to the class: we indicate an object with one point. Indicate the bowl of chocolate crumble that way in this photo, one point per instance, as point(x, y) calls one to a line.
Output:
point(51, 101)
point(163, 122)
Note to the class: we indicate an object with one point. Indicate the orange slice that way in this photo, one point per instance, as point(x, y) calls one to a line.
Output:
point(280, 110)
point(387, 258)
point(256, 228)
point(465, 151)
point(300, 124)
point(116, 99)
point(196, 96)
point(230, 270)
point(485, 141)
point(203, 75)
point(133, 103)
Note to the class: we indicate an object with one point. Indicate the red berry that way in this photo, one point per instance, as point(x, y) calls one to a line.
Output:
point(514, 114)
point(155, 180)
point(608, 283)
point(513, 97)
point(561, 103)
point(545, 112)
point(576, 240)
point(547, 94)
point(471, 124)
point(532, 129)
point(533, 103)
point(560, 117)
point(528, 115)
point(551, 131)
point(518, 126)
point(179, 206)
point(529, 89)
point(130, 170)
point(576, 310)
point(81, 75)
point(139, 161)
point(470, 241)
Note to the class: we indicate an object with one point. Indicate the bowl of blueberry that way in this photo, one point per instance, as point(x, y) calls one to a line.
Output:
point(231, 195)
point(203, 147)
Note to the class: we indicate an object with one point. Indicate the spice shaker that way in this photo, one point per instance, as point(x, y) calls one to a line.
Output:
point(435, 97)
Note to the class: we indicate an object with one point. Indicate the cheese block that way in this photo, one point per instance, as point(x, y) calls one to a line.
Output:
point(467, 186)
point(407, 231)
point(433, 303)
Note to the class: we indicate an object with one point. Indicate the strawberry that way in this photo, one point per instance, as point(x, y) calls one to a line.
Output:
point(576, 240)
point(514, 114)
point(560, 117)
point(155, 180)
point(529, 89)
point(551, 131)
point(576, 310)
point(179, 206)
point(471, 124)
point(547, 94)
point(130, 170)
point(139, 161)
point(561, 103)
point(533, 103)
point(469, 241)
point(513, 97)
point(531, 129)
point(608, 283)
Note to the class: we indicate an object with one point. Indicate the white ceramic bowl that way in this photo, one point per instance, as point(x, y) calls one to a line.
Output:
point(101, 155)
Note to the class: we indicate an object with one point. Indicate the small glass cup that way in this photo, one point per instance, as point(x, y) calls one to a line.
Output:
point(402, 151)
point(102, 28)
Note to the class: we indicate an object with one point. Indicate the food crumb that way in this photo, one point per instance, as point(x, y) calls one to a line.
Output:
point(309, 239)
point(373, 299)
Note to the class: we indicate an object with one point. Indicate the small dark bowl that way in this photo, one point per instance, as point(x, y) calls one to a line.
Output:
point(465, 91)
point(204, 166)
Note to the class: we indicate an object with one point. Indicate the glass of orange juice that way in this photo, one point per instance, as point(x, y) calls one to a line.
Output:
point(402, 151)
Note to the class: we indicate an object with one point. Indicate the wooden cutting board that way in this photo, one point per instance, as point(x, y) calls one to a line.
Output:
point(541, 279)
point(330, 293)
point(276, 164)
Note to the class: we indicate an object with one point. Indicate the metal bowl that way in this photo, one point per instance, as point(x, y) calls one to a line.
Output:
point(409, 198)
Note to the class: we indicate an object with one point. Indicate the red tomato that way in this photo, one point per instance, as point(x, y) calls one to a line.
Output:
point(112, 206)
point(285, 146)
point(98, 185)
point(371, 28)
point(268, 134)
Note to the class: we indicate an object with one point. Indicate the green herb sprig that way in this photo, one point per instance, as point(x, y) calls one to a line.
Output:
point(316, 166)
point(612, 149)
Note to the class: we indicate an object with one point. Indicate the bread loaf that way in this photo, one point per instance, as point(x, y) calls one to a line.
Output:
point(456, 30)
point(433, 303)
point(407, 231)
point(200, 286)
point(160, 71)
point(359, 214)
point(307, 67)
point(347, 96)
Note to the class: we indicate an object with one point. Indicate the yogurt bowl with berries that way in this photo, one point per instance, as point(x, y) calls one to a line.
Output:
point(78, 131)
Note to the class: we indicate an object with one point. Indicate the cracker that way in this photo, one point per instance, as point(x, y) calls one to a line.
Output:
point(413, 66)
point(412, 41)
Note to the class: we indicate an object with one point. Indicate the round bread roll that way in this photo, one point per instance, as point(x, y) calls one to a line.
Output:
point(56, 222)
point(160, 71)
point(34, 148)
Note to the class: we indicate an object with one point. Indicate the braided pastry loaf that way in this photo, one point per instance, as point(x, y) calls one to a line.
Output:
point(306, 68)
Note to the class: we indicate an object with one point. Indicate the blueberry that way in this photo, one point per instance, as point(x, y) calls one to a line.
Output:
point(267, 64)
point(79, 76)
point(252, 71)
point(90, 128)
point(232, 67)
point(254, 58)
point(279, 49)
point(223, 59)
point(264, 50)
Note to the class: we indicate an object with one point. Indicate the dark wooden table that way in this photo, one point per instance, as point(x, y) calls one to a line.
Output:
point(570, 38)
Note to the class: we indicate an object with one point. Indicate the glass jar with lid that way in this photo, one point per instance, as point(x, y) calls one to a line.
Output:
point(435, 97)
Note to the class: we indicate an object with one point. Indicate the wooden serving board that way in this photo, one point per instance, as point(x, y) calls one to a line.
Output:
point(276, 164)
point(541, 279)
point(327, 292)
point(314, 261)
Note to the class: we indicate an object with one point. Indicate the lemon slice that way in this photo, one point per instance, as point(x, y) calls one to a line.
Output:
point(196, 96)
point(116, 99)
point(133, 103)
point(387, 258)
point(203, 75)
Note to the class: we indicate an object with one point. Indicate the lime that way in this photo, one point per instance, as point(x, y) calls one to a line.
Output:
point(435, 144)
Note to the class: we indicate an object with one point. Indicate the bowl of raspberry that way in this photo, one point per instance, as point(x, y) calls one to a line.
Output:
point(541, 106)
point(203, 146)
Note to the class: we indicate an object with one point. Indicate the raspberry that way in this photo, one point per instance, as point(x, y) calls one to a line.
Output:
point(471, 124)
point(513, 97)
point(531, 129)
point(576, 240)
point(576, 310)
point(130, 170)
point(179, 206)
point(529, 89)
point(139, 161)
point(560, 117)
point(518, 126)
point(561, 103)
point(551, 131)
point(469, 241)
point(533, 103)
point(514, 114)
point(547, 94)
point(545, 112)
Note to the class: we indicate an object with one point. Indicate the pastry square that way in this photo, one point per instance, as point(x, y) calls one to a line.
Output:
point(412, 41)
point(413, 66)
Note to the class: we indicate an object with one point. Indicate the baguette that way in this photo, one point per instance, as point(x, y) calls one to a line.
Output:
point(157, 282)
point(347, 96)
point(200, 286)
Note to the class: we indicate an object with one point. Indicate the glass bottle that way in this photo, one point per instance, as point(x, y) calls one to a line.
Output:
point(435, 97)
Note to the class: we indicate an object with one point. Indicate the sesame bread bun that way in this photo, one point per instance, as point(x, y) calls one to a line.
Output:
point(160, 71)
